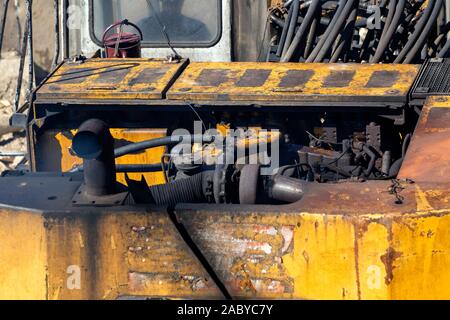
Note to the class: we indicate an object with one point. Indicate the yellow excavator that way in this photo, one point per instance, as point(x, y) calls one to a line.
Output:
point(217, 149)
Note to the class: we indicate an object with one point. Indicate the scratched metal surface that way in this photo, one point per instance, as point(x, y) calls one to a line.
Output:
point(111, 79)
point(246, 81)
point(428, 158)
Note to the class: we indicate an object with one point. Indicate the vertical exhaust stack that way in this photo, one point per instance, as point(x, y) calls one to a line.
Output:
point(95, 145)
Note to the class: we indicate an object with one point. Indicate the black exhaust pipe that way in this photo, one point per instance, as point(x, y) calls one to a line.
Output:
point(95, 145)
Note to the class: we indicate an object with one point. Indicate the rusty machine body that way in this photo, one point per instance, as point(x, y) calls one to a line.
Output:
point(357, 207)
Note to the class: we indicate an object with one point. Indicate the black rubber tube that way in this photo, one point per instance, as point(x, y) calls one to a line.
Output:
point(424, 35)
point(327, 32)
point(335, 31)
point(292, 26)
point(389, 29)
point(311, 35)
point(138, 168)
point(345, 38)
point(284, 33)
point(416, 34)
point(445, 50)
point(312, 11)
point(154, 143)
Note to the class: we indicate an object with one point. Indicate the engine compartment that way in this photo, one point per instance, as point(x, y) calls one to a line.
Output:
point(228, 133)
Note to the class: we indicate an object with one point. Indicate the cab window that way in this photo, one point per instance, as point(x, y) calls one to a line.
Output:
point(185, 23)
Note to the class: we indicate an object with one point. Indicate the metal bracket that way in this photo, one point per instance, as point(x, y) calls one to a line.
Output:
point(82, 199)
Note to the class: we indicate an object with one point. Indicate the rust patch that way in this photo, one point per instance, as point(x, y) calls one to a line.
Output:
point(438, 118)
point(388, 260)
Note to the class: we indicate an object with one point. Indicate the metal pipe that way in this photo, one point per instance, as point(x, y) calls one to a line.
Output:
point(18, 24)
point(57, 37)
point(95, 145)
point(12, 154)
point(23, 54)
point(30, 50)
point(285, 189)
point(3, 23)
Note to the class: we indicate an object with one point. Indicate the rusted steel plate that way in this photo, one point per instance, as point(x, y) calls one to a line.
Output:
point(344, 241)
point(111, 79)
point(121, 254)
point(428, 158)
point(242, 81)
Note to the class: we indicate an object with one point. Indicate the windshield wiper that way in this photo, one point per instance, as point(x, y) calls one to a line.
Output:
point(164, 32)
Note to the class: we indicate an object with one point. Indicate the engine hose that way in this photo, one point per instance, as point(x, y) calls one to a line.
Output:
point(345, 38)
point(292, 26)
point(335, 31)
point(395, 168)
point(416, 34)
point(312, 11)
point(445, 50)
point(324, 37)
point(424, 35)
point(372, 157)
point(311, 36)
point(440, 39)
point(155, 143)
point(189, 190)
point(389, 32)
point(284, 33)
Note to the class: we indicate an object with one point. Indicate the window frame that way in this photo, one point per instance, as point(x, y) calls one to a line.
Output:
point(147, 44)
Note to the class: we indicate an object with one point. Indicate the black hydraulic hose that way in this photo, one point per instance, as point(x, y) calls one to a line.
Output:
point(441, 38)
point(129, 168)
point(312, 12)
point(335, 31)
point(3, 23)
point(345, 38)
point(324, 37)
point(445, 50)
point(284, 33)
point(424, 35)
point(417, 32)
point(292, 26)
point(372, 161)
point(277, 20)
point(311, 35)
point(155, 143)
point(138, 168)
point(388, 32)
point(395, 168)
